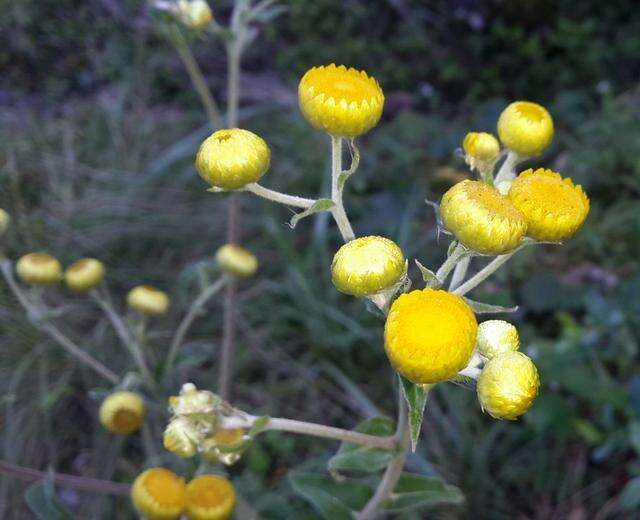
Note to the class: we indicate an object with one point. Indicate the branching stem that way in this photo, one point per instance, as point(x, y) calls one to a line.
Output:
point(483, 274)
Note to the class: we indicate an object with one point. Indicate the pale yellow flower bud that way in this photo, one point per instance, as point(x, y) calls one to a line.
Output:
point(210, 497)
point(553, 207)
point(232, 158)
point(508, 385)
point(368, 265)
point(182, 437)
point(430, 335)
point(5, 221)
point(481, 150)
point(481, 218)
point(344, 102)
point(148, 300)
point(225, 446)
point(497, 337)
point(526, 128)
point(237, 260)
point(84, 275)
point(159, 494)
point(195, 13)
point(39, 269)
point(122, 412)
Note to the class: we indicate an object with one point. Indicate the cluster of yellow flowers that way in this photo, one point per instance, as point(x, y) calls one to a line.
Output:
point(432, 335)
point(160, 494)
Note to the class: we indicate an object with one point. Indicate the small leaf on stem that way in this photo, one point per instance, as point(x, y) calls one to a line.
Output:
point(317, 207)
point(417, 492)
point(416, 397)
point(488, 308)
point(429, 277)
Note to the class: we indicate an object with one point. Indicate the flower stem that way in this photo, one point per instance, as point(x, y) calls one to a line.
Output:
point(191, 315)
point(459, 273)
point(338, 211)
point(280, 198)
point(483, 274)
point(452, 261)
point(507, 168)
point(35, 315)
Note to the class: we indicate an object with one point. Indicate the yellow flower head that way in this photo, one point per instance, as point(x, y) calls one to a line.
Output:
point(148, 300)
point(368, 265)
point(553, 207)
point(122, 412)
point(210, 497)
point(225, 447)
point(194, 13)
point(481, 218)
point(84, 275)
point(481, 150)
point(232, 157)
point(39, 269)
point(5, 220)
point(343, 102)
point(508, 385)
point(182, 437)
point(237, 261)
point(526, 128)
point(159, 494)
point(430, 335)
point(497, 337)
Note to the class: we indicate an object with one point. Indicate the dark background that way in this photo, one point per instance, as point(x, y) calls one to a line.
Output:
point(98, 130)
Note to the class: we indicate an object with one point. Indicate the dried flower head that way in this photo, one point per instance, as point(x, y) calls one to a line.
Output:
point(368, 265)
point(430, 335)
point(231, 158)
point(225, 446)
point(481, 218)
point(344, 102)
point(553, 207)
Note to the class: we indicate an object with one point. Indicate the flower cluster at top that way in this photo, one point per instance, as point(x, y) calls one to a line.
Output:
point(431, 335)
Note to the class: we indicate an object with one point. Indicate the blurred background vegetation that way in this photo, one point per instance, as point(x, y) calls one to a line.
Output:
point(98, 129)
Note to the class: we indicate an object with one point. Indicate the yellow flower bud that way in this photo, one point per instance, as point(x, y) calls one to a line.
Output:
point(342, 102)
point(210, 497)
point(5, 221)
point(481, 218)
point(481, 150)
point(553, 207)
point(220, 448)
point(526, 128)
point(122, 412)
point(39, 269)
point(231, 158)
point(182, 437)
point(508, 385)
point(84, 275)
point(497, 337)
point(237, 261)
point(368, 265)
point(430, 335)
point(194, 13)
point(159, 494)
point(148, 300)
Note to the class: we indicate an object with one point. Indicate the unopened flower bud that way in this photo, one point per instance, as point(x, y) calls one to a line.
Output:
point(481, 150)
point(5, 221)
point(496, 337)
point(148, 300)
point(225, 446)
point(237, 261)
point(39, 269)
point(84, 275)
point(122, 412)
point(525, 128)
point(194, 13)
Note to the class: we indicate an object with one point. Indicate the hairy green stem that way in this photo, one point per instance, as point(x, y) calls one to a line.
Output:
point(483, 274)
point(280, 198)
point(459, 273)
point(338, 211)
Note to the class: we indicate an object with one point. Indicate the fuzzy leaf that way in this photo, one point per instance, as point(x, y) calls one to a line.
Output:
point(488, 308)
point(416, 397)
point(355, 161)
point(416, 492)
point(464, 381)
point(43, 502)
point(364, 459)
point(429, 277)
point(317, 207)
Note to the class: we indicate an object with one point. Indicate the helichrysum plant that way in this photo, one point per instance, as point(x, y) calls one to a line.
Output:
point(433, 333)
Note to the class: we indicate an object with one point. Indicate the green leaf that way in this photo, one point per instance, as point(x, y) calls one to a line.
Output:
point(365, 459)
point(355, 161)
point(630, 496)
point(333, 500)
point(43, 502)
point(465, 381)
point(317, 207)
point(259, 425)
point(416, 397)
point(416, 491)
point(488, 308)
point(429, 277)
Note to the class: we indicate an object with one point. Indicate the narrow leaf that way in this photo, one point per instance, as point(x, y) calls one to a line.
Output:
point(355, 161)
point(488, 308)
point(43, 502)
point(464, 381)
point(317, 207)
point(364, 459)
point(418, 492)
point(416, 397)
point(429, 277)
